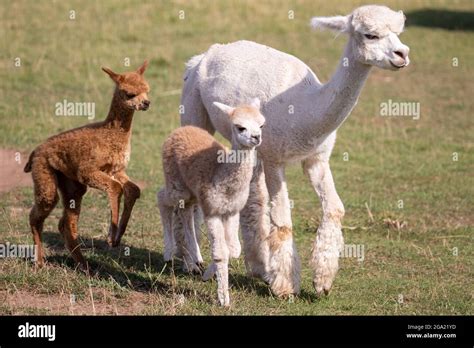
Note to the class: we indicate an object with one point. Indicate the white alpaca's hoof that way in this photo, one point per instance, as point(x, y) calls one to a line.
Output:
point(322, 287)
point(325, 258)
point(285, 266)
point(224, 299)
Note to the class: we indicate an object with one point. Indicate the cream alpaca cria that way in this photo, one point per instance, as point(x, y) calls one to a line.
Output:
point(303, 116)
point(199, 170)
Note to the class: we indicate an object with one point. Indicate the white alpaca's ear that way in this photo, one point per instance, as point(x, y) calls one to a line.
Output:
point(337, 23)
point(225, 108)
point(255, 102)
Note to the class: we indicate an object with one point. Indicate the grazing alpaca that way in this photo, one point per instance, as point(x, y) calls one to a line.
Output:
point(199, 170)
point(94, 155)
point(303, 116)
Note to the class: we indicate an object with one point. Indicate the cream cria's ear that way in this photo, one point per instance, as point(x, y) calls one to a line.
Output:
point(337, 23)
point(229, 110)
point(255, 102)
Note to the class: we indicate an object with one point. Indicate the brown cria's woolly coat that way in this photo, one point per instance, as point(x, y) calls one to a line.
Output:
point(95, 155)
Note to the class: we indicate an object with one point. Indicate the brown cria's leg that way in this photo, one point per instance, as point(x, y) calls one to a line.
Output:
point(46, 198)
point(71, 194)
point(131, 193)
point(114, 190)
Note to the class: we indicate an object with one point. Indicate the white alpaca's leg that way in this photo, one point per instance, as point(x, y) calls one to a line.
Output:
point(284, 263)
point(220, 257)
point(231, 225)
point(255, 226)
point(166, 213)
point(329, 240)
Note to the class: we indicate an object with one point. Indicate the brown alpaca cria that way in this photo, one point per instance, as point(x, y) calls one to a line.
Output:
point(94, 155)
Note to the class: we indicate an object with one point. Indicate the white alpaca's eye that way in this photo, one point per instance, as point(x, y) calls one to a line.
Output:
point(371, 37)
point(240, 129)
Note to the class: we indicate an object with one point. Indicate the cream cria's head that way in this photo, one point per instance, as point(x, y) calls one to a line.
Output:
point(374, 32)
point(247, 123)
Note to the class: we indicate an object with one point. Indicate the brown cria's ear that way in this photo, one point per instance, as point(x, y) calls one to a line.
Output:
point(142, 69)
point(114, 76)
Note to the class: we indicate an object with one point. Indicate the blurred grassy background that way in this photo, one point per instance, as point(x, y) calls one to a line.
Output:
point(423, 268)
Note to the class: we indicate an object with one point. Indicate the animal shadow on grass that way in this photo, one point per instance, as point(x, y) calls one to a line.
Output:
point(250, 284)
point(444, 19)
point(128, 271)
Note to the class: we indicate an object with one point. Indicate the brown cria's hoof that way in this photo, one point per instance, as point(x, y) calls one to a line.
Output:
point(38, 265)
point(113, 244)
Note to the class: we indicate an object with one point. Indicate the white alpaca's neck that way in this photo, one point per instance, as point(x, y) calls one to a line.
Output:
point(340, 94)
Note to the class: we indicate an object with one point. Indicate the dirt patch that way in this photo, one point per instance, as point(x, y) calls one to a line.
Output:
point(103, 303)
point(11, 170)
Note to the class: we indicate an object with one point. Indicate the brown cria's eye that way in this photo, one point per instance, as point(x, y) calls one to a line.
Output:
point(371, 37)
point(130, 95)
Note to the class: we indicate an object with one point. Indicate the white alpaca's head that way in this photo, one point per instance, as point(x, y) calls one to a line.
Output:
point(374, 32)
point(247, 123)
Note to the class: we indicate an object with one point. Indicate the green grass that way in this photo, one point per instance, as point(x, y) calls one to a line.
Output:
point(409, 271)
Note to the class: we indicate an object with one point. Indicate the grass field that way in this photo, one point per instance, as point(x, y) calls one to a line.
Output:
point(386, 169)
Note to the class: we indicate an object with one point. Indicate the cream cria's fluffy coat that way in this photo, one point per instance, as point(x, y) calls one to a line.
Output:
point(194, 174)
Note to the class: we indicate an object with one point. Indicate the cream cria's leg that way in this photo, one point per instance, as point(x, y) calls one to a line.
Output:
point(231, 225)
point(220, 257)
point(166, 213)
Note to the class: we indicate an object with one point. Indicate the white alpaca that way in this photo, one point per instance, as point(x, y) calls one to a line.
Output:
point(199, 170)
point(302, 118)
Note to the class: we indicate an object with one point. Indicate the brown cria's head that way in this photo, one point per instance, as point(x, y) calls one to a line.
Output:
point(132, 89)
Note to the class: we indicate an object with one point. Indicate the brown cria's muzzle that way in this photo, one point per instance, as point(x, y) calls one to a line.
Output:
point(145, 105)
